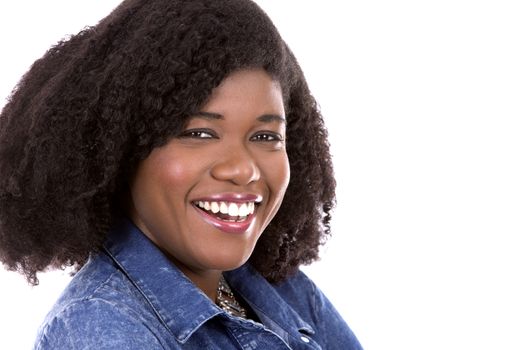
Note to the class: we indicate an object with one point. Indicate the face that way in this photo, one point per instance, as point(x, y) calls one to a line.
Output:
point(205, 197)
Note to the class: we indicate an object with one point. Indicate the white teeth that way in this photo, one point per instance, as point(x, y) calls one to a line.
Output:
point(231, 209)
point(243, 210)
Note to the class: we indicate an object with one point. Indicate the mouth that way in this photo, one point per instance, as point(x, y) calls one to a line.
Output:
point(227, 211)
point(232, 217)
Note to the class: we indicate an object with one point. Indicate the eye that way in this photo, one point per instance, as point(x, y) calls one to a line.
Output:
point(267, 136)
point(198, 134)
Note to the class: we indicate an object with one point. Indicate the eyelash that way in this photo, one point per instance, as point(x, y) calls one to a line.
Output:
point(263, 136)
point(196, 134)
point(266, 136)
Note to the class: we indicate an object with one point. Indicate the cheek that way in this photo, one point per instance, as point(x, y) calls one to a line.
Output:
point(278, 175)
point(160, 179)
point(176, 174)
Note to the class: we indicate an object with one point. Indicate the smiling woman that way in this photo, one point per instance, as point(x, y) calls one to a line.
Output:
point(231, 159)
point(174, 155)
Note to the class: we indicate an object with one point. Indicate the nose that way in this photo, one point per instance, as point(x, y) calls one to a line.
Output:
point(237, 166)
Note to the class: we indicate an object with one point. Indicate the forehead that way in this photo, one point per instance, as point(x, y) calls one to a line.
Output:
point(247, 90)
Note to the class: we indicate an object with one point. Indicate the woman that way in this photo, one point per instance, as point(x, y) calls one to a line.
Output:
point(174, 154)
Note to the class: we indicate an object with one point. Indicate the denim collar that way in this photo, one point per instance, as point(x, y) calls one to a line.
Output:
point(264, 299)
point(178, 303)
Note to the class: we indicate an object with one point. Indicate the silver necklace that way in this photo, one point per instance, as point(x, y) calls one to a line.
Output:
point(226, 300)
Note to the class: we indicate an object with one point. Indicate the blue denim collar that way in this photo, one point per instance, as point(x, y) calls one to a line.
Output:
point(262, 297)
point(177, 302)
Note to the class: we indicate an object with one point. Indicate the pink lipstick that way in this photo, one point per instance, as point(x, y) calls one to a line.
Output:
point(229, 212)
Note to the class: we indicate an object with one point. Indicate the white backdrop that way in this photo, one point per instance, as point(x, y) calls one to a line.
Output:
point(425, 104)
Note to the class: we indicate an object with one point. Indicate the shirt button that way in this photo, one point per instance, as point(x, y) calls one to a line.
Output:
point(305, 339)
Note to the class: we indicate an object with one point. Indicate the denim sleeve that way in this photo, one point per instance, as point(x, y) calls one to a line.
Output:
point(95, 324)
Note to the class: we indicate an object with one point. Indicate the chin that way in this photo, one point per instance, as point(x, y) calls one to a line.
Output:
point(229, 262)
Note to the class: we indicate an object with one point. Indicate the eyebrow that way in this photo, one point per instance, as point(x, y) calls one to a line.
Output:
point(265, 118)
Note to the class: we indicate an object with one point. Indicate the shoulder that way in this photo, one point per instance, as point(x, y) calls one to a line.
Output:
point(96, 323)
point(301, 293)
point(99, 309)
point(331, 330)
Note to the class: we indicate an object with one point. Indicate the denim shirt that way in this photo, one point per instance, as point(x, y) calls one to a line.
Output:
point(130, 296)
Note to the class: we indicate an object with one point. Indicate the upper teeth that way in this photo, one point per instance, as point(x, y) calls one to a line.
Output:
point(230, 208)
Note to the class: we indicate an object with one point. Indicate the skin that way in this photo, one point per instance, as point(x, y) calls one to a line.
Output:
point(235, 144)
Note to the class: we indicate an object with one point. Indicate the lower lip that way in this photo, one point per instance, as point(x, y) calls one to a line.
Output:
point(225, 226)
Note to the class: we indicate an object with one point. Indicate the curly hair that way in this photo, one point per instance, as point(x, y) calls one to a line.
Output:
point(97, 103)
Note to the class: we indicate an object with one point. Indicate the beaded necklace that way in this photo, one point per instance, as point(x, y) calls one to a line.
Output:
point(226, 300)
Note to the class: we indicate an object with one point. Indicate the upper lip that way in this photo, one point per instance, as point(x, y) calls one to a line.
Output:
point(234, 197)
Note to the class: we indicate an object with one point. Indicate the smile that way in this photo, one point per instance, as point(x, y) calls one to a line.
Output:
point(231, 213)
point(228, 211)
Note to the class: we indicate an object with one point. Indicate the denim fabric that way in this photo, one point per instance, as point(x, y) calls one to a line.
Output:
point(130, 296)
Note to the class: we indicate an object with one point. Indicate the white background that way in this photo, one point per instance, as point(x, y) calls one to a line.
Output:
point(425, 104)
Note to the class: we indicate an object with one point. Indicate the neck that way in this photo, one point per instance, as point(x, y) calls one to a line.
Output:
point(207, 281)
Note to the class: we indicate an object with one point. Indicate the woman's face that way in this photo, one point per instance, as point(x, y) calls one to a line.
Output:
point(206, 196)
